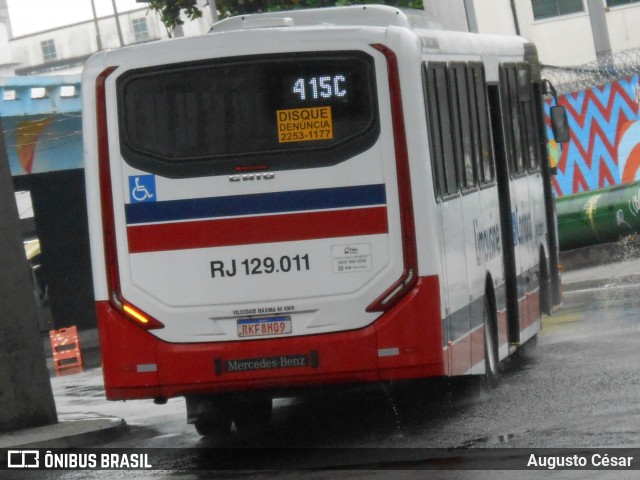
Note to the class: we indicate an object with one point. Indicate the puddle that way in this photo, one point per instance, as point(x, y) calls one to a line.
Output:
point(487, 441)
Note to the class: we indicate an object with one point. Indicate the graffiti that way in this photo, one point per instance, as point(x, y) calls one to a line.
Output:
point(634, 204)
point(43, 134)
point(590, 210)
point(27, 136)
point(620, 219)
point(605, 138)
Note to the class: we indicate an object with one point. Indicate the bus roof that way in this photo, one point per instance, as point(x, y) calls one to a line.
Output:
point(433, 37)
point(356, 15)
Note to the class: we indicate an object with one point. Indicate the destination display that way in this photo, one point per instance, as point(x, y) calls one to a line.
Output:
point(221, 109)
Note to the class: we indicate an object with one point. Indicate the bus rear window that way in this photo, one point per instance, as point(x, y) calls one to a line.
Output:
point(277, 112)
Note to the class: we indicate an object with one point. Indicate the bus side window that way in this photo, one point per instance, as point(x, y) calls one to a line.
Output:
point(439, 126)
point(526, 115)
point(480, 123)
point(462, 130)
point(481, 114)
point(511, 115)
point(459, 126)
point(528, 98)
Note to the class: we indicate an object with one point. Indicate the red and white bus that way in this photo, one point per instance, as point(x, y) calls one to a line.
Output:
point(318, 197)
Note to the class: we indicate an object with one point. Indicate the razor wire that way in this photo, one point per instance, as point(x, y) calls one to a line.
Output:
point(606, 69)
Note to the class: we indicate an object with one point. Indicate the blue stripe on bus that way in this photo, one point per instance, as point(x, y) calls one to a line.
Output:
point(256, 204)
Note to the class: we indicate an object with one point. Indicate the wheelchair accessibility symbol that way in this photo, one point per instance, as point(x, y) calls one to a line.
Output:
point(142, 188)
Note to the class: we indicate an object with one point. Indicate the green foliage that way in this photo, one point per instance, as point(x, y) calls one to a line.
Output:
point(237, 7)
point(170, 10)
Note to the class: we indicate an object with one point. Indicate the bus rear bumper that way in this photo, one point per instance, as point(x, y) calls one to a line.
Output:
point(404, 343)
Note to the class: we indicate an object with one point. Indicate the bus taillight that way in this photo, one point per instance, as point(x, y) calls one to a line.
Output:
point(409, 276)
point(140, 318)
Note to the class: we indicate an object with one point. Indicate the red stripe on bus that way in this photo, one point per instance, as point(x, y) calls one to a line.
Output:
point(255, 230)
point(466, 352)
point(529, 309)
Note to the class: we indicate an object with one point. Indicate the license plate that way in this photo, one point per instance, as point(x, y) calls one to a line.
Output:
point(264, 326)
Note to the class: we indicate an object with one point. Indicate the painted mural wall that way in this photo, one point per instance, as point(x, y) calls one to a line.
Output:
point(605, 138)
point(42, 123)
point(43, 144)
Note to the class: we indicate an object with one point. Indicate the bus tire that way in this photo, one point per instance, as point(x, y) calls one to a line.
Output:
point(252, 412)
point(208, 426)
point(210, 415)
point(491, 358)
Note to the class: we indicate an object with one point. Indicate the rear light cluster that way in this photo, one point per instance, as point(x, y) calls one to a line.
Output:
point(409, 276)
point(132, 313)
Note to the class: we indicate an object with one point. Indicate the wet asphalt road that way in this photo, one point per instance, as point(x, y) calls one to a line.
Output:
point(577, 387)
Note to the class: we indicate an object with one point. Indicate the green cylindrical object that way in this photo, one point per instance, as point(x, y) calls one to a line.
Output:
point(598, 216)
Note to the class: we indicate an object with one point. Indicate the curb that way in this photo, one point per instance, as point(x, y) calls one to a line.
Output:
point(626, 281)
point(66, 434)
point(601, 254)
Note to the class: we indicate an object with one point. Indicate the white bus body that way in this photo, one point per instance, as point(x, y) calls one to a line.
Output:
point(308, 198)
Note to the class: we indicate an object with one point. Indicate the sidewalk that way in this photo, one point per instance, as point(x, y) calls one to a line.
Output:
point(70, 433)
point(626, 272)
point(601, 266)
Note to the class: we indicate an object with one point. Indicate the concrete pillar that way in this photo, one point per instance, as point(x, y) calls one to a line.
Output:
point(26, 399)
point(598, 19)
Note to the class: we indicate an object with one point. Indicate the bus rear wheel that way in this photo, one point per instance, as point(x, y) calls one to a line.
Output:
point(490, 348)
point(210, 415)
point(208, 427)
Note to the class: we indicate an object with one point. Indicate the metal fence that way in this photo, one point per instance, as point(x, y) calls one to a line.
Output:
point(604, 70)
